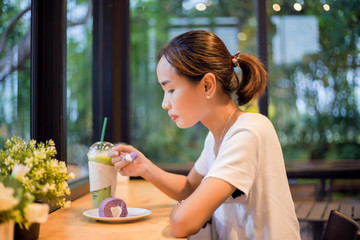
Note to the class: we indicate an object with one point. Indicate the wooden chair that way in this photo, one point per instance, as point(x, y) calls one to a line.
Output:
point(341, 227)
point(357, 236)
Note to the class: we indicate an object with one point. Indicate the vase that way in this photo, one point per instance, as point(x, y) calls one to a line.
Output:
point(7, 230)
point(27, 234)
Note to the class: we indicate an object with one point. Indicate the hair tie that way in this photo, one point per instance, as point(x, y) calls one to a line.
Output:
point(236, 59)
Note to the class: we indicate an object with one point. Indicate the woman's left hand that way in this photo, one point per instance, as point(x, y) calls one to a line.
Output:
point(136, 167)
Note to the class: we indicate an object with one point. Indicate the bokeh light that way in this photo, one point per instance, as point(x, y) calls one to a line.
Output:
point(297, 7)
point(276, 7)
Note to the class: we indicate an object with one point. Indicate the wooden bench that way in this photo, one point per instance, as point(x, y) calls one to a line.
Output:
point(317, 213)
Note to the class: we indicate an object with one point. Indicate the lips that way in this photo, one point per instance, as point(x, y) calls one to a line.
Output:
point(173, 117)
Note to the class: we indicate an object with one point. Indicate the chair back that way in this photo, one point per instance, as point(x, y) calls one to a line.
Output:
point(357, 236)
point(341, 227)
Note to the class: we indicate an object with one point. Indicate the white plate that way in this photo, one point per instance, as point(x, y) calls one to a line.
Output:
point(133, 214)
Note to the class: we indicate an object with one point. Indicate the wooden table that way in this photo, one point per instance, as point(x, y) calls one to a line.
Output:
point(71, 224)
point(322, 170)
point(318, 213)
point(344, 169)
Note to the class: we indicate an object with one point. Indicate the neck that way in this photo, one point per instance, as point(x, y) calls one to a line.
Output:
point(221, 118)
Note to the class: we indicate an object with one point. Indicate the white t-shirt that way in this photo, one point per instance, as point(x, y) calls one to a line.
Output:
point(250, 158)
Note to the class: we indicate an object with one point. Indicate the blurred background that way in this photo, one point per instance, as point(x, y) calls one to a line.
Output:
point(312, 58)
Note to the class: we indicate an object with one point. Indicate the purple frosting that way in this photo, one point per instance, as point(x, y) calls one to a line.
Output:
point(108, 203)
point(133, 155)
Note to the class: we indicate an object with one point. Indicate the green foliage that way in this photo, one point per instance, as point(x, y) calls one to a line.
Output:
point(329, 130)
point(47, 178)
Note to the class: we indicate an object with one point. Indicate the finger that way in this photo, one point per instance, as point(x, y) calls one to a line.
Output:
point(122, 151)
point(113, 153)
point(127, 170)
point(120, 165)
point(116, 159)
point(123, 148)
point(117, 150)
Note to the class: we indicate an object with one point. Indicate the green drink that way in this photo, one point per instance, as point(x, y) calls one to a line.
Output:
point(102, 174)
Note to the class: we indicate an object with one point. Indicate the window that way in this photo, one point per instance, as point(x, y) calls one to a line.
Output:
point(314, 80)
point(33, 81)
point(154, 23)
point(79, 85)
point(14, 69)
point(52, 96)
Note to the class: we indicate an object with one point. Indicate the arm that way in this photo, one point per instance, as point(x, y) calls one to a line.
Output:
point(174, 185)
point(202, 197)
point(188, 217)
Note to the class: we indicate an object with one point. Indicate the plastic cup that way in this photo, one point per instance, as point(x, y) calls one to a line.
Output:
point(99, 153)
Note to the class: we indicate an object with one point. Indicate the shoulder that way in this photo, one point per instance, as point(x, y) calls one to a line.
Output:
point(209, 140)
point(254, 122)
point(252, 126)
point(253, 118)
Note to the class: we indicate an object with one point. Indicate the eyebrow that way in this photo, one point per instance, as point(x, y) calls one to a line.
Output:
point(163, 83)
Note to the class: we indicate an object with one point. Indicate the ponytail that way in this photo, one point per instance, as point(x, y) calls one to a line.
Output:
point(254, 78)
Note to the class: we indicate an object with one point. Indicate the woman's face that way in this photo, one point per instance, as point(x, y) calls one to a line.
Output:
point(182, 99)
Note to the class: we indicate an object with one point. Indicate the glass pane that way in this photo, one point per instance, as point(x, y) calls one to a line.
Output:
point(79, 85)
point(14, 69)
point(153, 24)
point(315, 78)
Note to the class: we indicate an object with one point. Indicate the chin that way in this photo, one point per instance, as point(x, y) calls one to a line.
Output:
point(183, 125)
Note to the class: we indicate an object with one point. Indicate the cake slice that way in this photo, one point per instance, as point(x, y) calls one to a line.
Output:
point(113, 207)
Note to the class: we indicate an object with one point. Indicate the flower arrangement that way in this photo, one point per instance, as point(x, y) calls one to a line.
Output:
point(28, 172)
point(16, 203)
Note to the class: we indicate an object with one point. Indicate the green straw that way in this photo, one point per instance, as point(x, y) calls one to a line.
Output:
point(103, 132)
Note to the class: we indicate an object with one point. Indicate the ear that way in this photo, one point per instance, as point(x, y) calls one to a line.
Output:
point(209, 84)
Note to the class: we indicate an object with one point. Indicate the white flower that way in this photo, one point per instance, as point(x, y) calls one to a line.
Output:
point(64, 185)
point(37, 212)
point(52, 187)
point(71, 175)
point(40, 154)
point(67, 204)
point(19, 171)
point(28, 195)
point(53, 164)
point(7, 200)
point(8, 161)
point(46, 187)
point(29, 161)
point(32, 142)
point(49, 187)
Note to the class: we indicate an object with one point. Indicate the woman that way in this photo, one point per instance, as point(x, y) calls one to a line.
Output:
point(239, 180)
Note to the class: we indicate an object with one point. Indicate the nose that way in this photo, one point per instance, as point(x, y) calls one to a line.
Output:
point(165, 103)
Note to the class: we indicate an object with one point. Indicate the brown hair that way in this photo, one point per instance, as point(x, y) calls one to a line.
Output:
point(195, 53)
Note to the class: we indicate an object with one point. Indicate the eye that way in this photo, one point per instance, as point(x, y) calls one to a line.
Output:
point(171, 91)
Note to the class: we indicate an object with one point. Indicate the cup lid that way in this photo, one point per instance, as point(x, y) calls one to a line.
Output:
point(101, 147)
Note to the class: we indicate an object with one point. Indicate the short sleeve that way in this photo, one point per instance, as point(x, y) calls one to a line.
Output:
point(202, 165)
point(237, 160)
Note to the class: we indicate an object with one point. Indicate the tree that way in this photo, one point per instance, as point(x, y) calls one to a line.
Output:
point(325, 85)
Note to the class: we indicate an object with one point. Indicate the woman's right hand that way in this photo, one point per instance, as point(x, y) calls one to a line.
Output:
point(137, 167)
